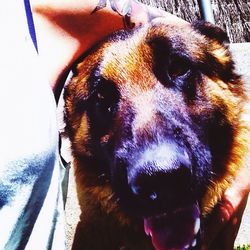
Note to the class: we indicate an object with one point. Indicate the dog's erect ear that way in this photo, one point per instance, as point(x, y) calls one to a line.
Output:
point(211, 31)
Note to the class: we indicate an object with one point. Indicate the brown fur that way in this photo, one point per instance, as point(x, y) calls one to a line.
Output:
point(129, 62)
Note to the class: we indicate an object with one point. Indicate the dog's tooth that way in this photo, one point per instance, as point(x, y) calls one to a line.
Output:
point(197, 225)
point(186, 247)
point(194, 243)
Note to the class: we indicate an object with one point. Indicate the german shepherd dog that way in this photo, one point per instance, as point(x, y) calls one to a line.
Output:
point(155, 116)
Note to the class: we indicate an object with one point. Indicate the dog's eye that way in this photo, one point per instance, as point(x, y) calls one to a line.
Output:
point(106, 98)
point(103, 104)
point(178, 67)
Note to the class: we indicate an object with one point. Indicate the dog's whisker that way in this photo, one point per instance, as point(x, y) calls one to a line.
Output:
point(212, 173)
point(117, 200)
point(110, 197)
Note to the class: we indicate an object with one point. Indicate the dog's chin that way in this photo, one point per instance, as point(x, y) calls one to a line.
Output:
point(174, 230)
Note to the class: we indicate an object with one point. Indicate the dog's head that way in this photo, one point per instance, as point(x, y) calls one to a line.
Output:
point(157, 109)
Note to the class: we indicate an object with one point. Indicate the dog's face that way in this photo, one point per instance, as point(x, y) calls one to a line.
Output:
point(155, 110)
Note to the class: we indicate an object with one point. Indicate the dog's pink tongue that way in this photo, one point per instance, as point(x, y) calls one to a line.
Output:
point(174, 231)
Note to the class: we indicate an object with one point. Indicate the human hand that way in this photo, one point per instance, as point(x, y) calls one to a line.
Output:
point(135, 13)
point(222, 227)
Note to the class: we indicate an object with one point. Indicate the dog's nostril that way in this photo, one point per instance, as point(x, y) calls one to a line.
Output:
point(144, 193)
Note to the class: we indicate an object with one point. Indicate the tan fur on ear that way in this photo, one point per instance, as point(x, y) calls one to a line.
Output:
point(236, 160)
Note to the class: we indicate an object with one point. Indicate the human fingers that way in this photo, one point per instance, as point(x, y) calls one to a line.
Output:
point(227, 215)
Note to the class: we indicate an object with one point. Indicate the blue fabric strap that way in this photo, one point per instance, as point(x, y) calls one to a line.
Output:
point(30, 22)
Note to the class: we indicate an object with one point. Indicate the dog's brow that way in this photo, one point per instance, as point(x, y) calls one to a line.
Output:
point(92, 83)
point(96, 80)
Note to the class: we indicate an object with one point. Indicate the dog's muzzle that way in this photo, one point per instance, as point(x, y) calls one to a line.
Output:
point(160, 187)
point(162, 176)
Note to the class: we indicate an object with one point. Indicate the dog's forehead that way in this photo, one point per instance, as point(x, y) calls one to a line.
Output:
point(179, 36)
point(130, 58)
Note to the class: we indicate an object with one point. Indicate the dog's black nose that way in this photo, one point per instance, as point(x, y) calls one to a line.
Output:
point(162, 177)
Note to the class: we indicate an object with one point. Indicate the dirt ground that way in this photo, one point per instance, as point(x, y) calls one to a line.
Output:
point(241, 53)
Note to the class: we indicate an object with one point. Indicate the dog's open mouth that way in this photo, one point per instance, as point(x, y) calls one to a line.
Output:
point(174, 230)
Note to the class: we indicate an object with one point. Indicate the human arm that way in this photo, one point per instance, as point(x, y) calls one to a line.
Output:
point(66, 29)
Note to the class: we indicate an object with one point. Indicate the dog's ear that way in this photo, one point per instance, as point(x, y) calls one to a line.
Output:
point(211, 31)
